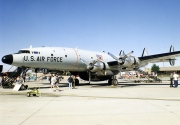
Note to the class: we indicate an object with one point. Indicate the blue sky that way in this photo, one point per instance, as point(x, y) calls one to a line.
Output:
point(98, 25)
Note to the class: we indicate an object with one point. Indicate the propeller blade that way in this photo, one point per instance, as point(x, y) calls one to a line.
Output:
point(113, 56)
point(127, 55)
point(90, 65)
point(83, 61)
point(124, 53)
point(95, 61)
point(120, 53)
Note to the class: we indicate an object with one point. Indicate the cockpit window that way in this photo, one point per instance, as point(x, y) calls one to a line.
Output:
point(24, 51)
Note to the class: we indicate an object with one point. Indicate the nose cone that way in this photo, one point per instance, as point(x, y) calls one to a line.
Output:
point(8, 59)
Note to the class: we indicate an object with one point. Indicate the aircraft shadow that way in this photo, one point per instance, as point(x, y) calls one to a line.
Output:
point(146, 84)
point(94, 85)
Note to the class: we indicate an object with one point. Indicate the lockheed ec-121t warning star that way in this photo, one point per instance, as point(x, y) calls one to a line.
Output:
point(88, 65)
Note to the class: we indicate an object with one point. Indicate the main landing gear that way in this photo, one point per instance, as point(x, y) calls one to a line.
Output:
point(113, 81)
point(76, 82)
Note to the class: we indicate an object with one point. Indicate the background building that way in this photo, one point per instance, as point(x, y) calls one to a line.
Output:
point(168, 70)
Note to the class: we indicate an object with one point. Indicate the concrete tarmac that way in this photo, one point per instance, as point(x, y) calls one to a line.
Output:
point(96, 104)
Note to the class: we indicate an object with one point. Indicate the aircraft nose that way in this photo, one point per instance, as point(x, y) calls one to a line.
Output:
point(8, 59)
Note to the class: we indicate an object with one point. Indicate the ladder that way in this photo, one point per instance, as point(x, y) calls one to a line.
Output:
point(10, 77)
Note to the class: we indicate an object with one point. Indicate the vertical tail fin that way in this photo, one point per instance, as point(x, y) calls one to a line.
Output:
point(172, 60)
point(144, 53)
point(171, 49)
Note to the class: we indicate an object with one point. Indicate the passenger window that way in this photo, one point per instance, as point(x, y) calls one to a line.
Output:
point(35, 52)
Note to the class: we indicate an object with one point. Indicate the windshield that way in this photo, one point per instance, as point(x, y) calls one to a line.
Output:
point(24, 51)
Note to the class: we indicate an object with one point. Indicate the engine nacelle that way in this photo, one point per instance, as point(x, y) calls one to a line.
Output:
point(131, 61)
point(98, 66)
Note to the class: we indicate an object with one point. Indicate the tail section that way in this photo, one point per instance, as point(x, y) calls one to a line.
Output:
point(144, 53)
point(171, 49)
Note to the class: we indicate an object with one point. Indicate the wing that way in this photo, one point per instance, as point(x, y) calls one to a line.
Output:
point(163, 57)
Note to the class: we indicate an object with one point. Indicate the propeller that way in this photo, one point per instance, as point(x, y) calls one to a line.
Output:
point(121, 59)
point(122, 55)
point(90, 66)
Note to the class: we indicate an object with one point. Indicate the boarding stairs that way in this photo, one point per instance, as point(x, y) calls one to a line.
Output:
point(10, 77)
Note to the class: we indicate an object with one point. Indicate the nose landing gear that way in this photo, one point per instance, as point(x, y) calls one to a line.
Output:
point(113, 81)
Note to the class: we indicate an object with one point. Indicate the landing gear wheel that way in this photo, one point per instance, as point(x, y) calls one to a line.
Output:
point(76, 82)
point(114, 82)
point(110, 82)
point(28, 94)
point(39, 95)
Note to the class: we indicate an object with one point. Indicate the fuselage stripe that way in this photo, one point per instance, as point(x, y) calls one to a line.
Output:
point(75, 65)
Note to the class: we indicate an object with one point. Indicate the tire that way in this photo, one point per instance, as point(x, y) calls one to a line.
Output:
point(76, 82)
point(114, 82)
point(39, 95)
point(110, 82)
point(28, 94)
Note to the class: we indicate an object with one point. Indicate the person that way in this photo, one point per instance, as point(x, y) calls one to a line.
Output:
point(171, 80)
point(57, 79)
point(29, 78)
point(73, 82)
point(53, 81)
point(57, 83)
point(60, 78)
point(50, 79)
point(155, 76)
point(1, 81)
point(19, 80)
point(24, 77)
point(175, 76)
point(138, 74)
point(70, 80)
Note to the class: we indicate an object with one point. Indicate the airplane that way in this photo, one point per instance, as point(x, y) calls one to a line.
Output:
point(88, 65)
